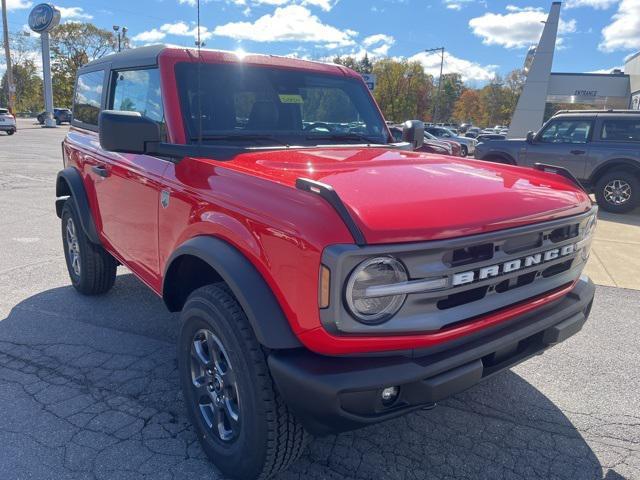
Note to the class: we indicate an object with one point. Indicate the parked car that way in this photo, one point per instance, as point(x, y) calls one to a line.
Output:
point(468, 145)
point(7, 122)
point(456, 149)
point(60, 115)
point(472, 132)
point(326, 278)
point(600, 148)
point(428, 146)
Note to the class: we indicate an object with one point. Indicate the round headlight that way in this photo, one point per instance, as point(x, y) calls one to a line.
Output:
point(373, 308)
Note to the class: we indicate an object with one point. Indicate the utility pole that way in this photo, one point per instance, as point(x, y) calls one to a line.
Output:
point(436, 105)
point(7, 52)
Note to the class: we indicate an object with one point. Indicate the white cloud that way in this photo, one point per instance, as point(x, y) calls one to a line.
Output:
point(520, 27)
point(457, 4)
point(153, 35)
point(379, 43)
point(325, 5)
point(607, 70)
point(290, 23)
point(623, 33)
point(180, 29)
point(76, 13)
point(597, 4)
point(470, 71)
point(18, 4)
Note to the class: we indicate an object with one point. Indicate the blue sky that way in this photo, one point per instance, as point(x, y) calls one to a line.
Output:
point(481, 37)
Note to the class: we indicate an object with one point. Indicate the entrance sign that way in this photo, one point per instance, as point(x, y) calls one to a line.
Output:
point(42, 19)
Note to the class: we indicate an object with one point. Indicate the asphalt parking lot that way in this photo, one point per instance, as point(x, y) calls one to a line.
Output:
point(88, 386)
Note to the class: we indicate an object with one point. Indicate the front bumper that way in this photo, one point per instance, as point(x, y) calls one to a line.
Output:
point(333, 394)
point(7, 127)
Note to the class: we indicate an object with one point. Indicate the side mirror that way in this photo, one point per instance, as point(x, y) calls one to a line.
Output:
point(530, 136)
point(127, 132)
point(413, 132)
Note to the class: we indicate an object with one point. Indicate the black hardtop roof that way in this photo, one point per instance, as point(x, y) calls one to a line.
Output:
point(134, 57)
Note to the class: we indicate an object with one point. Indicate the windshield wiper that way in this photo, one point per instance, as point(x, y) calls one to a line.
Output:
point(242, 137)
point(345, 136)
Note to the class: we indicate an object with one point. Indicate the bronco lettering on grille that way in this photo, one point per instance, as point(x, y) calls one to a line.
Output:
point(483, 273)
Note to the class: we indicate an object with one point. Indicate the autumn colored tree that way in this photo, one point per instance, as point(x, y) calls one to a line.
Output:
point(74, 44)
point(468, 108)
point(403, 89)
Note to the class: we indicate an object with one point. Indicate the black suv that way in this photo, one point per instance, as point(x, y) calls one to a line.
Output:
point(599, 147)
point(60, 115)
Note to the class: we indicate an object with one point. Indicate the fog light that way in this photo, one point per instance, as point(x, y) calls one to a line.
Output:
point(389, 395)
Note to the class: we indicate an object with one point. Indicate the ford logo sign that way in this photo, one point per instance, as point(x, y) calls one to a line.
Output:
point(44, 17)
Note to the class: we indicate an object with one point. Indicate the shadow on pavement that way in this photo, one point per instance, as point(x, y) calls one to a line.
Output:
point(89, 389)
point(631, 218)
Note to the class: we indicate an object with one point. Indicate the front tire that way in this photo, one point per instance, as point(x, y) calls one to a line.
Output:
point(242, 423)
point(617, 191)
point(10, 132)
point(91, 268)
point(464, 151)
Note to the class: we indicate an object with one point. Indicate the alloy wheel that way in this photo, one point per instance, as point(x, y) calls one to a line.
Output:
point(617, 192)
point(215, 387)
point(73, 247)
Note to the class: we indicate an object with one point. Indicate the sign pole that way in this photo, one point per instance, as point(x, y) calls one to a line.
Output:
point(48, 87)
point(7, 52)
point(42, 19)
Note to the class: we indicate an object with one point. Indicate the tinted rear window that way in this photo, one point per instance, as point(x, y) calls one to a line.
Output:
point(621, 130)
point(86, 104)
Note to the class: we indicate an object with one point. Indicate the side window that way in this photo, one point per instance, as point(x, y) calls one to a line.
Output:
point(138, 91)
point(621, 130)
point(88, 97)
point(567, 131)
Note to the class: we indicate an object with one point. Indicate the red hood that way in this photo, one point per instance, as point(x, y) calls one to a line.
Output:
point(398, 196)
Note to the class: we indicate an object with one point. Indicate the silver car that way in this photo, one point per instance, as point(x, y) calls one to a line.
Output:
point(467, 144)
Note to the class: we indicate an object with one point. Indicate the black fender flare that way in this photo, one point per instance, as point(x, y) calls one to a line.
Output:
point(619, 162)
point(500, 153)
point(69, 186)
point(263, 310)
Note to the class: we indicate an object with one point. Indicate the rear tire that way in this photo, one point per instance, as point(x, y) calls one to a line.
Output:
point(617, 191)
point(91, 268)
point(242, 423)
point(464, 151)
point(10, 132)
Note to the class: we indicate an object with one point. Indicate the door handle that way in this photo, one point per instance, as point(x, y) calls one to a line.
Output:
point(578, 152)
point(100, 171)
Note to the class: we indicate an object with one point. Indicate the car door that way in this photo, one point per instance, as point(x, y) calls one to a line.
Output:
point(128, 185)
point(564, 142)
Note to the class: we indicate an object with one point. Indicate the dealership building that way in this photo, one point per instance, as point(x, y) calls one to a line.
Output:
point(615, 90)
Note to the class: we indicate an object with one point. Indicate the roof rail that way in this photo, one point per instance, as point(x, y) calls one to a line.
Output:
point(610, 110)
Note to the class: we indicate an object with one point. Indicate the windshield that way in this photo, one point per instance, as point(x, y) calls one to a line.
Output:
point(268, 106)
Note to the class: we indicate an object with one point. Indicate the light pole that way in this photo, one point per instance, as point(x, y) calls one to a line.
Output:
point(436, 105)
point(120, 34)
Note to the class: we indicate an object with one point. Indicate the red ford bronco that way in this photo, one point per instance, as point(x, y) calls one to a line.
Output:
point(328, 278)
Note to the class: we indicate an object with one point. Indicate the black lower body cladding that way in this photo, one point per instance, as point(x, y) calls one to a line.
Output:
point(334, 394)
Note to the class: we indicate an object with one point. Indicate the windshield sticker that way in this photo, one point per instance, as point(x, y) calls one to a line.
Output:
point(291, 98)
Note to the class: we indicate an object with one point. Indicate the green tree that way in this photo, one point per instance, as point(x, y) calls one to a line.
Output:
point(73, 45)
point(403, 90)
point(28, 87)
point(452, 88)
